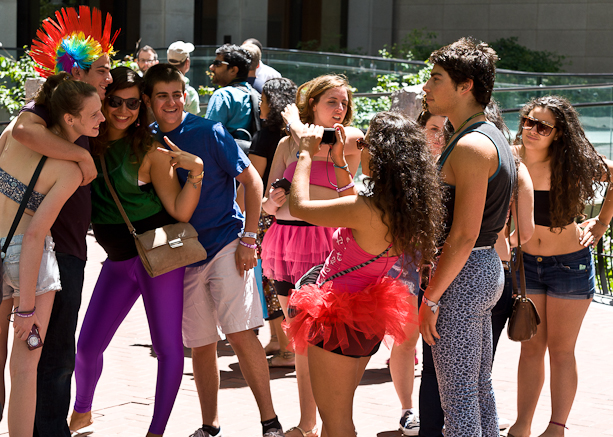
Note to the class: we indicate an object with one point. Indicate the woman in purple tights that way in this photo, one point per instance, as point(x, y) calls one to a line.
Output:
point(150, 193)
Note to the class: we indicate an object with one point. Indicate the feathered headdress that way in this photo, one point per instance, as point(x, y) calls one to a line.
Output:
point(74, 41)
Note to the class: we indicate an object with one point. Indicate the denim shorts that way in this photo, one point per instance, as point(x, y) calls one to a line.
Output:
point(569, 276)
point(48, 273)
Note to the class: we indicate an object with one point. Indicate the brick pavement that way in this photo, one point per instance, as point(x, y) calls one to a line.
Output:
point(123, 405)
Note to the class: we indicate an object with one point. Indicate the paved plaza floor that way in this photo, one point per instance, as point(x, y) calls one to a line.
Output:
point(123, 404)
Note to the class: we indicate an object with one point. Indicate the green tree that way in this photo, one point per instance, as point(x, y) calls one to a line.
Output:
point(367, 107)
point(514, 56)
point(13, 76)
point(416, 45)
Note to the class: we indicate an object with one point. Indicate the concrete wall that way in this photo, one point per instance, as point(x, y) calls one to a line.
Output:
point(581, 30)
point(166, 21)
point(242, 19)
point(370, 26)
point(8, 23)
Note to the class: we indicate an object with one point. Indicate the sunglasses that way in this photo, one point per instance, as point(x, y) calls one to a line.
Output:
point(542, 127)
point(115, 102)
point(217, 63)
point(361, 143)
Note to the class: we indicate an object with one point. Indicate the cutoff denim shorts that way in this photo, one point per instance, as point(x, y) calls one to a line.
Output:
point(569, 276)
point(48, 273)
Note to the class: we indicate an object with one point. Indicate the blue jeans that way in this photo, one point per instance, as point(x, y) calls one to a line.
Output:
point(57, 360)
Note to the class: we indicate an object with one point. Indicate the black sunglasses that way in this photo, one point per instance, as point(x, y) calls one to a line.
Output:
point(361, 143)
point(217, 63)
point(115, 102)
point(543, 128)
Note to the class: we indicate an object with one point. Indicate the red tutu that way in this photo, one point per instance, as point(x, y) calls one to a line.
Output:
point(354, 322)
point(288, 252)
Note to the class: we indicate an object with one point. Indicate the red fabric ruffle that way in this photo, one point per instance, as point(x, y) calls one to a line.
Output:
point(353, 321)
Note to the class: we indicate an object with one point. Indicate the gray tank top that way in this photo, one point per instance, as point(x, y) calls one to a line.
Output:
point(499, 187)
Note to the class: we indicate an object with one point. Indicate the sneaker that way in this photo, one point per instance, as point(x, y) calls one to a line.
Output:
point(202, 433)
point(503, 423)
point(409, 424)
point(274, 433)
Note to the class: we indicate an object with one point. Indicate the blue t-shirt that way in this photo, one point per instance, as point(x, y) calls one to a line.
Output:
point(217, 217)
point(231, 107)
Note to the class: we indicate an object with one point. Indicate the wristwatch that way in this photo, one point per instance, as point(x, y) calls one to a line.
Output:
point(432, 305)
point(244, 234)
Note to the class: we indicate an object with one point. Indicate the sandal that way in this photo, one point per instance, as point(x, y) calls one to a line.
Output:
point(87, 430)
point(282, 359)
point(304, 434)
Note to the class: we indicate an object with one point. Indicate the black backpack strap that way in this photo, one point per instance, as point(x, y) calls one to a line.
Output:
point(354, 268)
point(255, 104)
point(22, 205)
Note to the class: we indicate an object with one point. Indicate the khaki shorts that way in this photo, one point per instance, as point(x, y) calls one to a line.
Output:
point(48, 273)
point(218, 300)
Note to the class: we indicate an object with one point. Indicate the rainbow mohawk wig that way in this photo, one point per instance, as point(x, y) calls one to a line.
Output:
point(74, 41)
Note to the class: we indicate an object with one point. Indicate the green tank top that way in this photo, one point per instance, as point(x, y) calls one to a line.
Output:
point(138, 202)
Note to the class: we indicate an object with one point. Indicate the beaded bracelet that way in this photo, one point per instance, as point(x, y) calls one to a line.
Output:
point(250, 246)
point(346, 187)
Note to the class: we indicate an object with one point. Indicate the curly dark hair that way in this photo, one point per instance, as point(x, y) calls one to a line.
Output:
point(138, 133)
point(315, 88)
point(279, 93)
point(468, 59)
point(405, 185)
point(235, 56)
point(575, 164)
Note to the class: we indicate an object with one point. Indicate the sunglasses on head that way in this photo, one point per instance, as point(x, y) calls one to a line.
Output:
point(115, 102)
point(361, 143)
point(542, 127)
point(217, 63)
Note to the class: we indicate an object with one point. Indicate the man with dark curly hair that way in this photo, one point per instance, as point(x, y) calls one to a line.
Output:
point(231, 104)
point(479, 170)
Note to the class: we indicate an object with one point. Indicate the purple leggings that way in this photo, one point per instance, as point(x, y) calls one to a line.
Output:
point(119, 285)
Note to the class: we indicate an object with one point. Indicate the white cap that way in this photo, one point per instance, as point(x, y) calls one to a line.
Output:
point(178, 51)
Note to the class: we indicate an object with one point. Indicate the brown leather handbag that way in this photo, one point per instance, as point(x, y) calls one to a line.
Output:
point(524, 318)
point(164, 249)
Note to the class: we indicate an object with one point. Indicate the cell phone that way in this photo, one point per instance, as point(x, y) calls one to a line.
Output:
point(34, 341)
point(329, 136)
point(282, 183)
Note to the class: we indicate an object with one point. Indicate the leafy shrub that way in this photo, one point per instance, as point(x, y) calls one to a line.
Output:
point(514, 56)
point(367, 107)
point(13, 76)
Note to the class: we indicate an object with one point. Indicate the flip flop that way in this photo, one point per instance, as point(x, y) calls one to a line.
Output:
point(87, 430)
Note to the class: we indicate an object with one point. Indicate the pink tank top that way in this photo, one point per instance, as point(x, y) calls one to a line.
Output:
point(320, 171)
point(346, 253)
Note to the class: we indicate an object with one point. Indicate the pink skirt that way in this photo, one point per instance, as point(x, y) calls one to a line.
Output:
point(288, 252)
point(352, 321)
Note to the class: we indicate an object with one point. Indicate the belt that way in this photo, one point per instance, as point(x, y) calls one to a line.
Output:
point(482, 248)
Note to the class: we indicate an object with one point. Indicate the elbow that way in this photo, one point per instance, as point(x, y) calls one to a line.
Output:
point(527, 235)
point(21, 133)
point(33, 235)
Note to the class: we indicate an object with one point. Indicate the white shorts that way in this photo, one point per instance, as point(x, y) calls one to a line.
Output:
point(48, 272)
point(218, 300)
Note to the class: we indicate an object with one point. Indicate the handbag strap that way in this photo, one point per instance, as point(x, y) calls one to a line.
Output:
point(518, 263)
point(115, 198)
point(353, 269)
point(23, 205)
